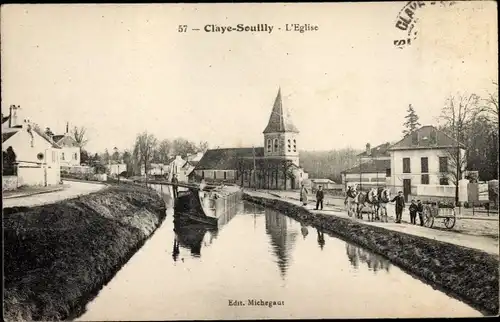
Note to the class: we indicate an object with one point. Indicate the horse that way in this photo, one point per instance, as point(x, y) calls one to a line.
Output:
point(383, 198)
point(349, 200)
point(364, 198)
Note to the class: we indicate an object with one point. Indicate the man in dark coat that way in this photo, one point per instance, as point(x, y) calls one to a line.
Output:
point(400, 205)
point(175, 187)
point(319, 198)
point(420, 211)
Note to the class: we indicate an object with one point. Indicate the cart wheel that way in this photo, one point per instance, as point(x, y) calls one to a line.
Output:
point(449, 222)
point(428, 218)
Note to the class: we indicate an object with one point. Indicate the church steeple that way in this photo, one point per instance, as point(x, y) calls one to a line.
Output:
point(280, 120)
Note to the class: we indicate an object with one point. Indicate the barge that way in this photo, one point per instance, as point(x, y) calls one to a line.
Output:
point(214, 206)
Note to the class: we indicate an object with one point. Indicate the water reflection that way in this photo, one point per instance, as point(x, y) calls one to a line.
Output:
point(374, 262)
point(303, 230)
point(282, 240)
point(321, 238)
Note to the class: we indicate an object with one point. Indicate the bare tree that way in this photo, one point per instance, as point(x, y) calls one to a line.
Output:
point(79, 134)
point(203, 146)
point(183, 147)
point(459, 113)
point(144, 147)
point(492, 106)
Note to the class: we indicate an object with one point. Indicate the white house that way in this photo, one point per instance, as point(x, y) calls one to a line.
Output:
point(324, 183)
point(114, 169)
point(423, 164)
point(70, 151)
point(37, 156)
point(372, 170)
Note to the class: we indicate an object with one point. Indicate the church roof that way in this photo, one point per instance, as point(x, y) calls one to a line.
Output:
point(280, 120)
point(226, 159)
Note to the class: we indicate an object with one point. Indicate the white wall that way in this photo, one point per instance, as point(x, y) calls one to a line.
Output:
point(70, 156)
point(415, 166)
point(31, 170)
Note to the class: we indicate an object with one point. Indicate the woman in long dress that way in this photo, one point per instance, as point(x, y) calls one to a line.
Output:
point(303, 195)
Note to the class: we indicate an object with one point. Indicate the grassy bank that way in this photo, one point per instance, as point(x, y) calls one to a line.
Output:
point(464, 273)
point(58, 256)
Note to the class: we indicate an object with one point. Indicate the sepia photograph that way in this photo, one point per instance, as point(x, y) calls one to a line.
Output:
point(236, 161)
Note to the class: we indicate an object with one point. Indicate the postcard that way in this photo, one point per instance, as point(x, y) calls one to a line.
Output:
point(250, 160)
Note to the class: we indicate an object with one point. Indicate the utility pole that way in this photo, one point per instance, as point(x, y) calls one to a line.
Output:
point(254, 168)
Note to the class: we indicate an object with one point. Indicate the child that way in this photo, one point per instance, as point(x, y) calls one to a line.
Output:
point(413, 212)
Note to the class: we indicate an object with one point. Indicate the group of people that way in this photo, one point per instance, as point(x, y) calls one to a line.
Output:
point(415, 208)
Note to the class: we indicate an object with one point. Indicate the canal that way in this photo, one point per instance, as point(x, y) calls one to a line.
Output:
point(261, 255)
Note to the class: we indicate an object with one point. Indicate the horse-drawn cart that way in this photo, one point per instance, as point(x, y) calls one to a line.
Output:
point(434, 210)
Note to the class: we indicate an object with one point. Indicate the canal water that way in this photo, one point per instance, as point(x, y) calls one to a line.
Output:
point(262, 256)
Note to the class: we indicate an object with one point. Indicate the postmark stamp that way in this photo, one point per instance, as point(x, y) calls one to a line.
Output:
point(408, 18)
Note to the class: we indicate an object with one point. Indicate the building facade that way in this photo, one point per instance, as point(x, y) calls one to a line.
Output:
point(372, 170)
point(36, 155)
point(274, 166)
point(424, 164)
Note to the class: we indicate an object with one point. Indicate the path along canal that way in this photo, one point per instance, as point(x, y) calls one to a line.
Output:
point(260, 254)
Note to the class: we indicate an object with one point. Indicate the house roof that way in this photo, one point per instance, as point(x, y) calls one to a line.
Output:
point(65, 140)
point(280, 120)
point(428, 137)
point(381, 150)
point(5, 118)
point(6, 136)
point(373, 166)
point(39, 131)
point(226, 159)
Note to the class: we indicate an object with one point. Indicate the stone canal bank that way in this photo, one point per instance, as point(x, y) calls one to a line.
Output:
point(58, 256)
point(464, 273)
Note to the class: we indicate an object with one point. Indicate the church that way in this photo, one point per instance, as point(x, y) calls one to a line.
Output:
point(274, 166)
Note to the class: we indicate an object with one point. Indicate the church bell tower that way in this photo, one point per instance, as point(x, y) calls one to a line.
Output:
point(280, 134)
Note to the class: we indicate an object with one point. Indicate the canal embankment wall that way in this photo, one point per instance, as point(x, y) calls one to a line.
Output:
point(58, 256)
point(463, 273)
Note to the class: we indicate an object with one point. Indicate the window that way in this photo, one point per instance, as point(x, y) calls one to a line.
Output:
point(406, 165)
point(414, 138)
point(424, 179)
point(289, 146)
point(269, 145)
point(275, 145)
point(443, 181)
point(62, 156)
point(388, 172)
point(433, 137)
point(53, 156)
point(424, 165)
point(75, 156)
point(203, 174)
point(294, 146)
point(215, 175)
point(225, 175)
point(443, 164)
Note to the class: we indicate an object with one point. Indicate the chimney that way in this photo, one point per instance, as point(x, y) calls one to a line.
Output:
point(368, 149)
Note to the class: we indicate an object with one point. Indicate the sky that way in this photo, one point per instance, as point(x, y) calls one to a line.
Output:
point(119, 70)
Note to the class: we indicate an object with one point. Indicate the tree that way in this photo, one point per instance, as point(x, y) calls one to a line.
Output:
point(492, 106)
point(459, 113)
point(79, 134)
point(105, 157)
point(164, 150)
point(49, 132)
point(9, 160)
point(127, 159)
point(85, 158)
point(202, 146)
point(411, 123)
point(183, 147)
point(144, 147)
point(116, 154)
